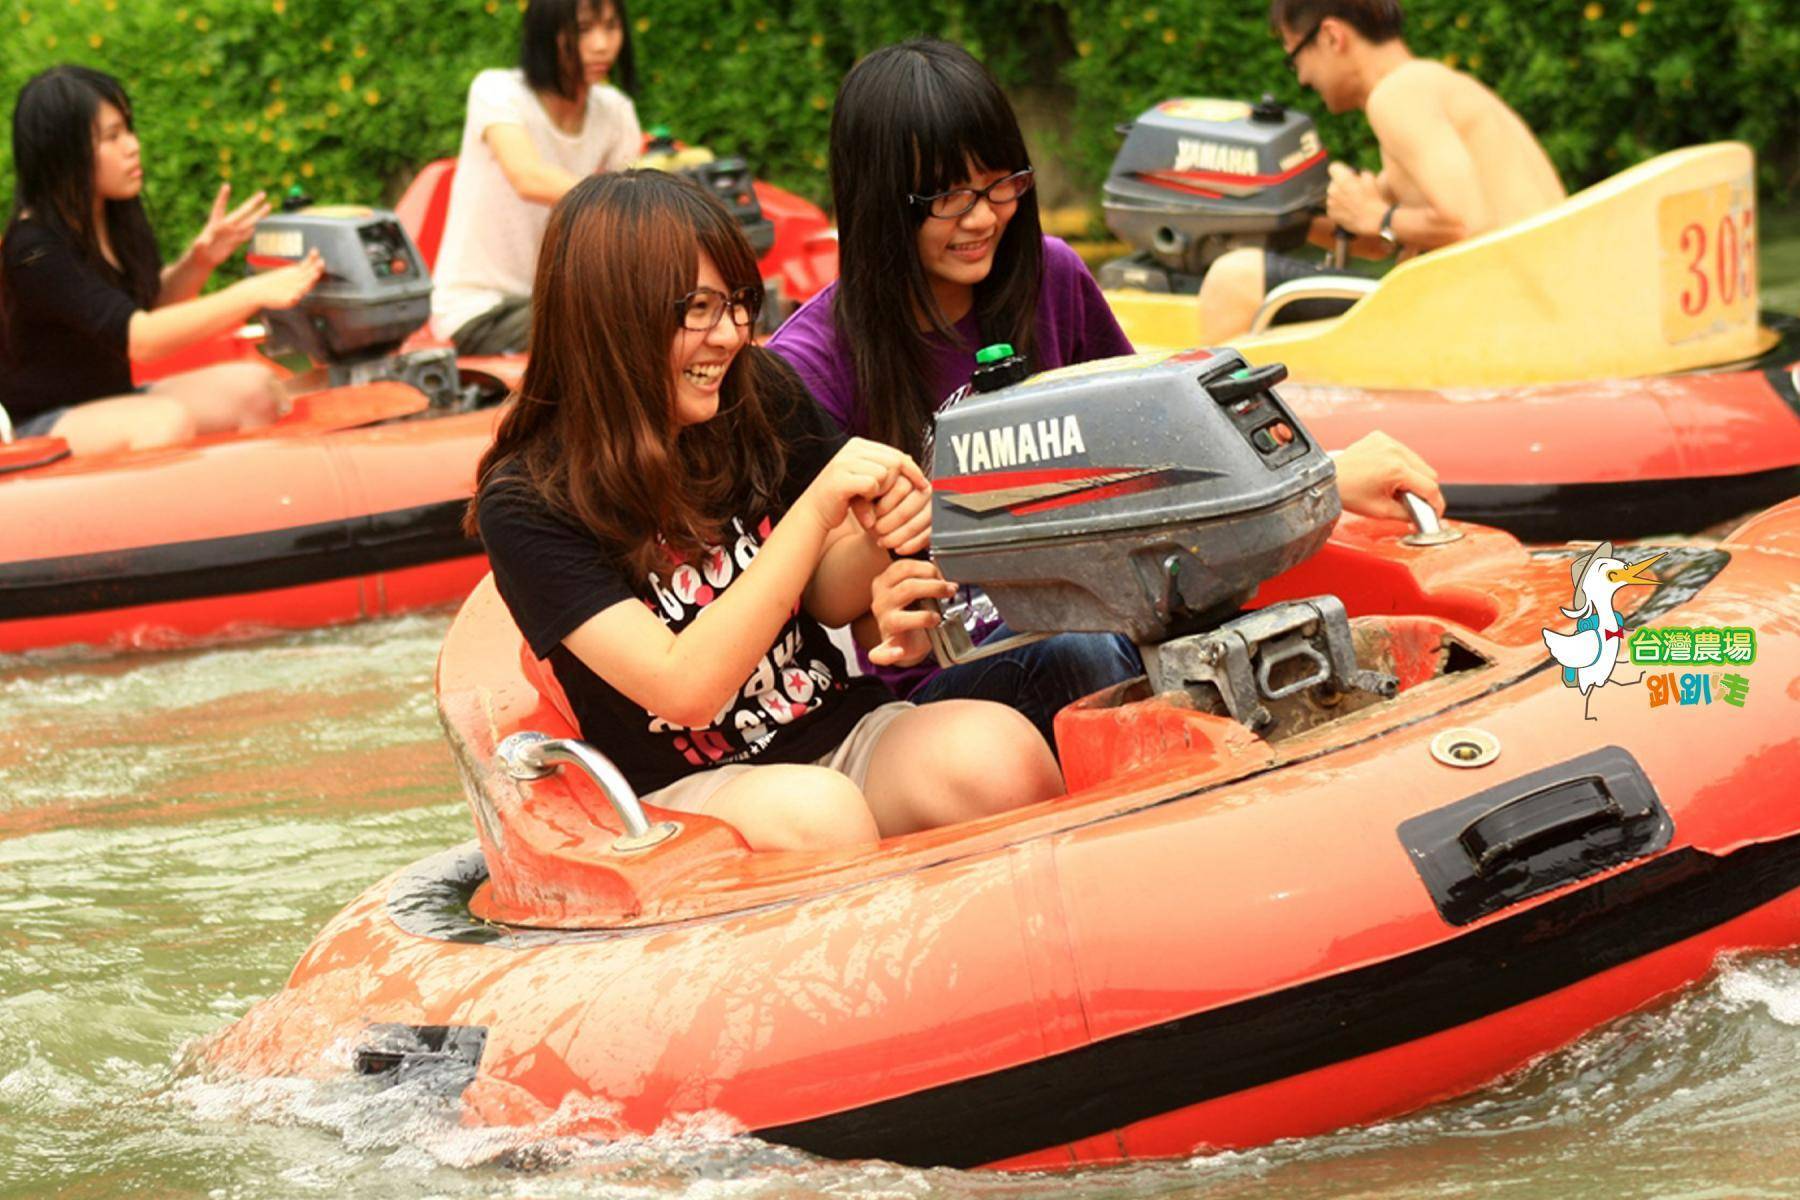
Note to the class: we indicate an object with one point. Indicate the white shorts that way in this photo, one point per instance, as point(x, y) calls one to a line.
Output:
point(851, 758)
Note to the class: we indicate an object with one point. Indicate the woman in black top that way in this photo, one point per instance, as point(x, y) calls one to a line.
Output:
point(83, 291)
point(671, 520)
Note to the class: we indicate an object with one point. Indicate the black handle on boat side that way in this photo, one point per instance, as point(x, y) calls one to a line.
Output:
point(1536, 832)
point(1509, 835)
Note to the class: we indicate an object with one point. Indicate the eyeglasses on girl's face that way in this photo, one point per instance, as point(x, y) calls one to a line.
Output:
point(701, 309)
point(947, 206)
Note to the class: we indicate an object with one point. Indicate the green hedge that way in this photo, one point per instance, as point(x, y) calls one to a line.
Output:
point(347, 98)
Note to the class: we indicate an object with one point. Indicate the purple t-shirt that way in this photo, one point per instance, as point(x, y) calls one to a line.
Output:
point(1074, 325)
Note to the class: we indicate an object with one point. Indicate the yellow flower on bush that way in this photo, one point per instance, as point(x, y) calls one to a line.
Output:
point(224, 153)
point(286, 145)
point(493, 7)
point(371, 97)
point(202, 24)
point(817, 40)
point(819, 102)
point(287, 179)
point(762, 26)
point(1593, 12)
point(306, 169)
point(266, 135)
point(643, 24)
point(94, 40)
point(360, 51)
point(280, 6)
point(332, 109)
point(326, 44)
point(1644, 7)
point(1628, 29)
point(1450, 60)
point(1169, 35)
point(110, 5)
point(275, 85)
point(24, 16)
point(1462, 20)
point(181, 16)
point(50, 42)
point(1084, 49)
point(224, 172)
point(193, 124)
point(249, 126)
point(1150, 15)
point(345, 83)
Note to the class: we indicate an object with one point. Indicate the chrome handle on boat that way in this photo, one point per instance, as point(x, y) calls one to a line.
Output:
point(1427, 529)
point(531, 755)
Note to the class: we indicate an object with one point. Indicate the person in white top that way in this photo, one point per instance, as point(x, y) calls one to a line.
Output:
point(531, 134)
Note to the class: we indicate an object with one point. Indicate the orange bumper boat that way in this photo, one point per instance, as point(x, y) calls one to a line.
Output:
point(1348, 853)
point(1600, 369)
point(347, 507)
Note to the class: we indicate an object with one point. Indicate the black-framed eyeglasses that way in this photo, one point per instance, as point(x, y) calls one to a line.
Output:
point(1300, 45)
point(947, 206)
point(701, 309)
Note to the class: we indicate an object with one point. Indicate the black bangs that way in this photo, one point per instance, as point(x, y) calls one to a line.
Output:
point(956, 117)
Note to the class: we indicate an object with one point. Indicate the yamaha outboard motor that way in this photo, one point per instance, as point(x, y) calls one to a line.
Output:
point(1148, 498)
point(375, 293)
point(1196, 178)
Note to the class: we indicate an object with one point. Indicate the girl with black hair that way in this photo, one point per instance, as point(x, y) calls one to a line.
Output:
point(531, 134)
point(83, 291)
point(671, 519)
point(941, 253)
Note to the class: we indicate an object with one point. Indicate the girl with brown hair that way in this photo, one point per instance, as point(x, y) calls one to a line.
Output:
point(671, 521)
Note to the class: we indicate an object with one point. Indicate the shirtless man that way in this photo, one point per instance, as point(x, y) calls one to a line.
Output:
point(1455, 160)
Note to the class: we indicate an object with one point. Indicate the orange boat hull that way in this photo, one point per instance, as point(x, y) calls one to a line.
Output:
point(1213, 941)
point(348, 508)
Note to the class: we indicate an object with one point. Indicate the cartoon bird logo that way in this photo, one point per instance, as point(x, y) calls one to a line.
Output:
point(1589, 654)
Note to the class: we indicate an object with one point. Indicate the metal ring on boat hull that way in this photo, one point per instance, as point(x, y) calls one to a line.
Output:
point(531, 755)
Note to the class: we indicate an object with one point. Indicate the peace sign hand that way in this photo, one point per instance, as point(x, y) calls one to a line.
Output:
point(226, 231)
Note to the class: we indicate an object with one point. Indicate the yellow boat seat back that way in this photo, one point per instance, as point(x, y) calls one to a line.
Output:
point(1646, 273)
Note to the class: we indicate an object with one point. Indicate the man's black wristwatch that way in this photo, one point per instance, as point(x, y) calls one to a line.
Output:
point(1387, 227)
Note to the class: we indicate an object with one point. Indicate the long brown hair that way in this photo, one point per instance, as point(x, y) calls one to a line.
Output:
point(592, 430)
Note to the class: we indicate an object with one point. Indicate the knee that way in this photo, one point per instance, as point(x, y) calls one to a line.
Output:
point(992, 760)
point(158, 422)
point(823, 810)
point(1233, 284)
point(255, 394)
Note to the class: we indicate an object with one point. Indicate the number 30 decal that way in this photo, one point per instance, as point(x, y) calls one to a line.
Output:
point(1732, 253)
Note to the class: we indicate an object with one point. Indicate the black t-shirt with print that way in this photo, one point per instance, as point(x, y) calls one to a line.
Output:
point(796, 706)
point(68, 341)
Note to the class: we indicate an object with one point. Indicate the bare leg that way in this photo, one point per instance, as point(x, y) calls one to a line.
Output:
point(225, 397)
point(955, 760)
point(124, 423)
point(1230, 295)
point(792, 807)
